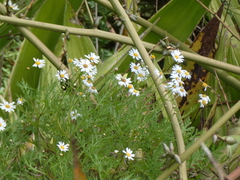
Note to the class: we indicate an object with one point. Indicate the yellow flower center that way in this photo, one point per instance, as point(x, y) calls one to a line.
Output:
point(135, 67)
point(80, 93)
point(130, 86)
point(135, 54)
point(93, 88)
point(89, 77)
point(140, 75)
point(61, 75)
point(176, 56)
point(128, 154)
point(82, 77)
point(204, 102)
point(179, 71)
point(186, 73)
point(37, 63)
point(152, 56)
point(123, 80)
point(85, 66)
point(204, 95)
point(62, 147)
point(70, 60)
point(91, 58)
point(182, 90)
point(0, 124)
point(204, 85)
point(7, 106)
point(135, 91)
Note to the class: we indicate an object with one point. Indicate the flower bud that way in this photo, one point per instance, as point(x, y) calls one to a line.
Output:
point(230, 140)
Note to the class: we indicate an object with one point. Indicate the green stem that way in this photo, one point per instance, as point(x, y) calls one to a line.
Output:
point(37, 43)
point(197, 144)
point(173, 112)
point(204, 61)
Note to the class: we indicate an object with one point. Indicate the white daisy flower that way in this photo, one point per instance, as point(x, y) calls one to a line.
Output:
point(186, 74)
point(3, 124)
point(176, 79)
point(204, 100)
point(8, 107)
point(93, 90)
point(176, 54)
point(81, 94)
point(176, 69)
point(12, 5)
point(93, 57)
point(40, 63)
point(158, 73)
point(74, 114)
point(128, 154)
point(135, 68)
point(143, 74)
point(20, 101)
point(62, 146)
point(86, 66)
point(87, 83)
point(181, 91)
point(135, 54)
point(123, 81)
point(134, 92)
point(62, 75)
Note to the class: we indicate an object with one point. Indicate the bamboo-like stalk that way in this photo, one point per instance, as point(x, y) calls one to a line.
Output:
point(37, 43)
point(197, 144)
point(173, 112)
point(122, 39)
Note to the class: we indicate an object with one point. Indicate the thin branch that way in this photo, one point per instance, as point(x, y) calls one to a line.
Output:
point(119, 38)
point(221, 174)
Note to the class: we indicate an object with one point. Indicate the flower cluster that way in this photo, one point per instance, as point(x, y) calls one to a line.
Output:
point(88, 69)
point(176, 83)
point(139, 71)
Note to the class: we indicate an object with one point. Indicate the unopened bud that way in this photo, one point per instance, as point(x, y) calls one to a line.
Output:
point(177, 159)
point(166, 148)
point(215, 138)
point(230, 140)
point(171, 147)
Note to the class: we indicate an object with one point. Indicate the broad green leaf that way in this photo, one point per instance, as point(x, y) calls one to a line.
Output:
point(23, 69)
point(178, 18)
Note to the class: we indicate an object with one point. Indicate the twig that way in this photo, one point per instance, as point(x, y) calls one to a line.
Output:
point(221, 174)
